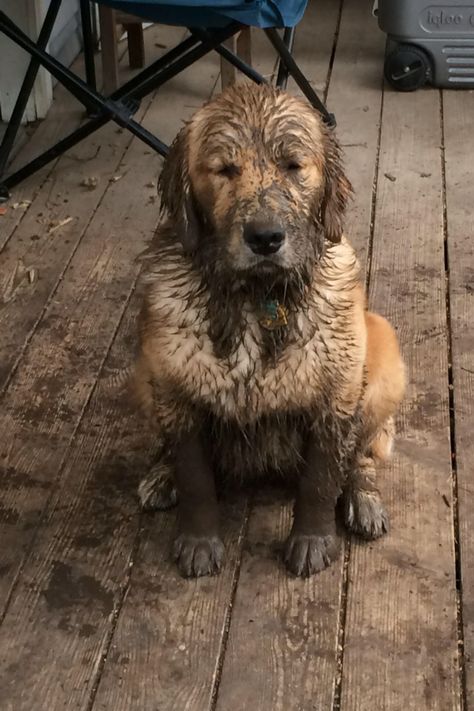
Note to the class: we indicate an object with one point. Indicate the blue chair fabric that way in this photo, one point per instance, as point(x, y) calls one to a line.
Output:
point(214, 13)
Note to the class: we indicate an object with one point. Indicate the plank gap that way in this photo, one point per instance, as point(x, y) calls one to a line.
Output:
point(228, 615)
point(373, 208)
point(341, 626)
point(452, 420)
point(333, 51)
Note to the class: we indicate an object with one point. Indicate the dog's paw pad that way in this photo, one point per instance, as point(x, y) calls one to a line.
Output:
point(156, 491)
point(364, 514)
point(306, 555)
point(196, 556)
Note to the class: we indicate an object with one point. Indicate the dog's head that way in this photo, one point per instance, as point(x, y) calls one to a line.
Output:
point(255, 181)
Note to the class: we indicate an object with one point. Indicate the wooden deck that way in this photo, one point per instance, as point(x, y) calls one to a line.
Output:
point(93, 614)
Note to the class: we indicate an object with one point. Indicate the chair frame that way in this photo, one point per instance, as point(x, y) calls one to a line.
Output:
point(122, 104)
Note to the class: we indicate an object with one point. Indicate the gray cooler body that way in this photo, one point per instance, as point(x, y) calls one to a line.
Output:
point(428, 43)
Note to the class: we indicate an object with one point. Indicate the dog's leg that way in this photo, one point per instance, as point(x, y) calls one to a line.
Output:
point(313, 543)
point(364, 512)
point(197, 550)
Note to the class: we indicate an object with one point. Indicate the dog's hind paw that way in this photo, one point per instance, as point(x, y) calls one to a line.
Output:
point(156, 490)
point(306, 555)
point(198, 555)
point(364, 514)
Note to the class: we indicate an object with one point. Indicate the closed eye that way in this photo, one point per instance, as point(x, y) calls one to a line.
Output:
point(292, 165)
point(229, 170)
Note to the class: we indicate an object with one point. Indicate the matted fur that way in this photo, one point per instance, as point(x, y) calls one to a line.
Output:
point(205, 359)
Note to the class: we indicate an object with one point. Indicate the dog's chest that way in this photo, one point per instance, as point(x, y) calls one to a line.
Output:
point(246, 385)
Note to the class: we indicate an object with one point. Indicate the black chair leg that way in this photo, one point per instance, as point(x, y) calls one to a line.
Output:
point(289, 40)
point(300, 79)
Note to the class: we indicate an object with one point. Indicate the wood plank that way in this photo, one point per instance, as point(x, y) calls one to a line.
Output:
point(135, 44)
point(49, 235)
point(458, 111)
point(400, 638)
point(84, 547)
point(281, 653)
point(315, 39)
point(52, 229)
point(263, 56)
point(355, 97)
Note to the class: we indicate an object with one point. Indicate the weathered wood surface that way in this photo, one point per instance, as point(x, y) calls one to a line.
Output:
point(355, 97)
point(400, 646)
point(166, 651)
point(58, 624)
point(458, 112)
point(282, 648)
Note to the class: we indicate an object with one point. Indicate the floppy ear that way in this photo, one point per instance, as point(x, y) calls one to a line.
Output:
point(337, 190)
point(175, 191)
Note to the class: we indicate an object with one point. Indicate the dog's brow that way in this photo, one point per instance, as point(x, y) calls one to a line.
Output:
point(292, 129)
point(221, 138)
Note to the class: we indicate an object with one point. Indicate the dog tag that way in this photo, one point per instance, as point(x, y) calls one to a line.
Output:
point(274, 315)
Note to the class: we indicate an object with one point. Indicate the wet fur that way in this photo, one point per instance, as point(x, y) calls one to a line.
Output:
point(332, 376)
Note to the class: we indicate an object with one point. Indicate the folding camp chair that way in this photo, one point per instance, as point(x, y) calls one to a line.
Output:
point(209, 26)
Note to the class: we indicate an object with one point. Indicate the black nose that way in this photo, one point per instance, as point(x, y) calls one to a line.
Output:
point(263, 237)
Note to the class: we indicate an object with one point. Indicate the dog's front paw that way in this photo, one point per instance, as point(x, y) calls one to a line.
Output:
point(306, 555)
point(364, 513)
point(198, 555)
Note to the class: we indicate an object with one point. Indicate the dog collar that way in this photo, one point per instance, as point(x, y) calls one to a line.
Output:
point(274, 315)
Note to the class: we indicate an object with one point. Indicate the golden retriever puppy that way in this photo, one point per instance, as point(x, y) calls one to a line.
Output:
point(257, 354)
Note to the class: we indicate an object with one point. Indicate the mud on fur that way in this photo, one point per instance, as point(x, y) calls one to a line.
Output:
point(254, 193)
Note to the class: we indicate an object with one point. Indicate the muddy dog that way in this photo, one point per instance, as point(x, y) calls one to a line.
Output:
point(257, 352)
